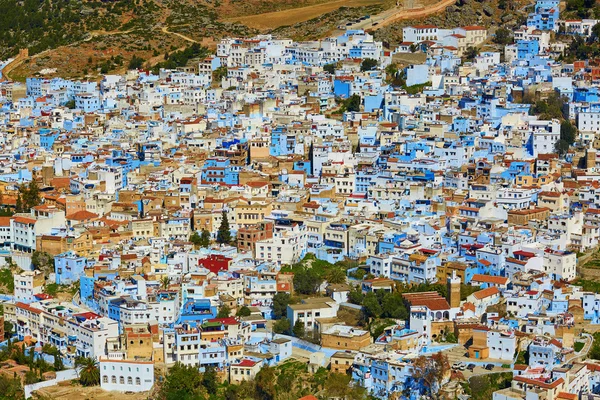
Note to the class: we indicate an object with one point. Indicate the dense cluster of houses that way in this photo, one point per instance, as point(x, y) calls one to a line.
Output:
point(456, 185)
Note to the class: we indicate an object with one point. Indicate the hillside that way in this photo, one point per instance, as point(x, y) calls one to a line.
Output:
point(76, 39)
point(488, 13)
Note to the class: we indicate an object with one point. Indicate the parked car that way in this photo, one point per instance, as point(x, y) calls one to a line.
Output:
point(459, 366)
point(489, 367)
point(471, 367)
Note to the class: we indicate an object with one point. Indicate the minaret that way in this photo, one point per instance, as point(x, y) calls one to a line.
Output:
point(453, 283)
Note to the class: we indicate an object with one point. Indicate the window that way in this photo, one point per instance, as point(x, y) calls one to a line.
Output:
point(105, 379)
point(121, 380)
point(129, 380)
point(138, 381)
point(113, 379)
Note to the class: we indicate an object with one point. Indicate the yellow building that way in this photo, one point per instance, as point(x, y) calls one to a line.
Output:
point(345, 337)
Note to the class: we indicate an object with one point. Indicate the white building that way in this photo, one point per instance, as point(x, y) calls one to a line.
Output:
point(545, 135)
point(28, 284)
point(420, 33)
point(502, 345)
point(285, 247)
point(560, 264)
point(310, 310)
point(91, 335)
point(126, 375)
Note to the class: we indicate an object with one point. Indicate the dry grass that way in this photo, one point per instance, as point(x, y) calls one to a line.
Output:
point(68, 391)
point(276, 19)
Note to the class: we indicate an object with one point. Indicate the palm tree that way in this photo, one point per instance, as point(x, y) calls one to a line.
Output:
point(89, 373)
point(336, 275)
point(164, 282)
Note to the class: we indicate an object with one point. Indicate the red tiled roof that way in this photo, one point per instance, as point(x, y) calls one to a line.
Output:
point(82, 215)
point(245, 363)
point(24, 220)
point(522, 253)
point(541, 384)
point(497, 280)
point(431, 300)
point(482, 294)
point(473, 28)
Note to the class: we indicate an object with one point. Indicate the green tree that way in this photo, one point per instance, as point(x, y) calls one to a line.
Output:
point(224, 312)
point(471, 53)
point(339, 386)
point(54, 352)
point(298, 329)
point(355, 296)
point(183, 382)
point(561, 147)
point(552, 107)
point(307, 281)
point(19, 204)
point(70, 104)
point(31, 377)
point(280, 303)
point(205, 238)
point(195, 239)
point(224, 233)
point(392, 306)
point(219, 74)
point(265, 384)
point(353, 103)
point(210, 380)
point(329, 68)
point(451, 337)
point(596, 32)
point(164, 282)
point(89, 373)
point(335, 275)
point(503, 36)
point(30, 195)
point(243, 312)
point(568, 132)
point(135, 63)
point(368, 64)
point(8, 329)
point(282, 326)
point(11, 388)
point(371, 307)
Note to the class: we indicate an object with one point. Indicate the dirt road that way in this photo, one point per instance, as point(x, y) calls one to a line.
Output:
point(398, 14)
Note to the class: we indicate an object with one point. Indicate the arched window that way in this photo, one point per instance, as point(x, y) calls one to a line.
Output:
point(138, 381)
point(113, 379)
point(121, 380)
point(105, 379)
point(129, 380)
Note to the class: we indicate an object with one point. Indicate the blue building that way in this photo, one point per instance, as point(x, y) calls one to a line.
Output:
point(47, 138)
point(218, 170)
point(282, 143)
point(342, 86)
point(69, 267)
point(197, 311)
point(527, 49)
point(546, 15)
point(417, 74)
